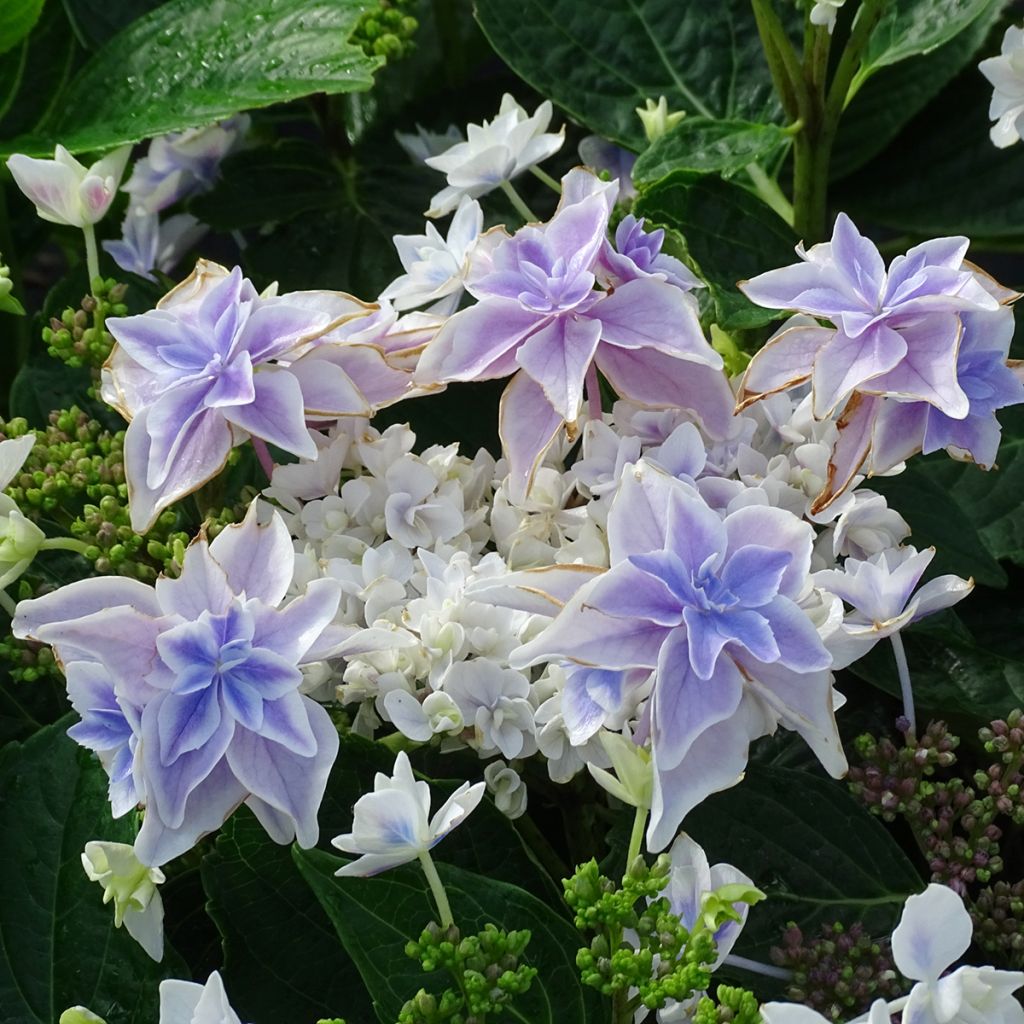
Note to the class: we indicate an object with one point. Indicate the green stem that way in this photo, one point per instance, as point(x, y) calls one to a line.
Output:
point(636, 837)
point(547, 179)
point(64, 544)
point(437, 889)
point(7, 603)
point(92, 257)
point(903, 671)
point(839, 92)
point(768, 189)
point(517, 201)
point(783, 62)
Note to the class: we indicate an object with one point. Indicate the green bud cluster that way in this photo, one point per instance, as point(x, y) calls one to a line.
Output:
point(79, 338)
point(667, 961)
point(839, 971)
point(28, 662)
point(998, 916)
point(75, 461)
point(387, 29)
point(486, 969)
point(734, 1006)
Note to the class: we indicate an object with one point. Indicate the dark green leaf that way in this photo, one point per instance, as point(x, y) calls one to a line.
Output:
point(95, 21)
point(730, 236)
point(257, 898)
point(190, 62)
point(58, 944)
point(274, 183)
point(375, 917)
point(709, 147)
point(944, 175)
point(17, 17)
point(600, 64)
point(912, 27)
point(874, 118)
point(951, 673)
point(810, 847)
point(46, 384)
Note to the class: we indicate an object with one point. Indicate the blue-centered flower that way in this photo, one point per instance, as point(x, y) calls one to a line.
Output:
point(200, 708)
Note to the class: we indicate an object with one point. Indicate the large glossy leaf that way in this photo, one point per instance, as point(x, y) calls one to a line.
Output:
point(730, 235)
point(95, 21)
point(376, 917)
point(256, 897)
point(58, 944)
point(874, 119)
point(190, 62)
point(944, 175)
point(599, 63)
point(708, 146)
point(810, 847)
point(16, 20)
point(913, 27)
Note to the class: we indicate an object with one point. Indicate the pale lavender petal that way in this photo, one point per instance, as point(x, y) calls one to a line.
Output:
point(934, 932)
point(753, 524)
point(653, 314)
point(233, 385)
point(186, 722)
point(557, 357)
point(290, 783)
point(941, 592)
point(171, 422)
point(658, 381)
point(846, 364)
point(143, 336)
point(209, 805)
point(81, 598)
point(277, 414)
point(327, 390)
point(477, 343)
point(754, 573)
point(274, 328)
point(856, 425)
point(803, 287)
point(627, 591)
point(202, 585)
point(859, 260)
point(379, 382)
point(928, 371)
point(785, 361)
point(709, 632)
point(286, 722)
point(528, 425)
point(800, 647)
point(255, 559)
point(638, 518)
point(683, 705)
point(898, 433)
point(291, 631)
point(202, 458)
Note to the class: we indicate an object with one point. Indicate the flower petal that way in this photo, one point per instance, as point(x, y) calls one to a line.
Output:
point(276, 414)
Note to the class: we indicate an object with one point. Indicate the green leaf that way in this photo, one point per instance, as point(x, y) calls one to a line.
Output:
point(191, 62)
point(709, 147)
point(873, 119)
point(934, 187)
point(600, 64)
point(9, 304)
point(951, 672)
point(912, 27)
point(375, 917)
point(95, 21)
point(257, 896)
point(58, 943)
point(46, 384)
point(17, 17)
point(273, 183)
point(816, 853)
point(730, 235)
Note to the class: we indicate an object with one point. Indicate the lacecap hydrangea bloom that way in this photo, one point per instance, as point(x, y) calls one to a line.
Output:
point(190, 689)
point(709, 603)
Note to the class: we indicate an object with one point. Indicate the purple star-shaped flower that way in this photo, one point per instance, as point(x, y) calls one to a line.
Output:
point(204, 371)
point(540, 317)
point(710, 604)
point(200, 710)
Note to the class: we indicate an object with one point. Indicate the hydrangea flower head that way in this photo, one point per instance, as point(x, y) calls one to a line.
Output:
point(541, 318)
point(392, 825)
point(712, 607)
point(202, 372)
point(65, 191)
point(494, 152)
point(204, 710)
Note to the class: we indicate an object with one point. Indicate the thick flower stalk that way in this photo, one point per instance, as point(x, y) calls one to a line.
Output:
point(541, 319)
point(189, 691)
point(708, 604)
